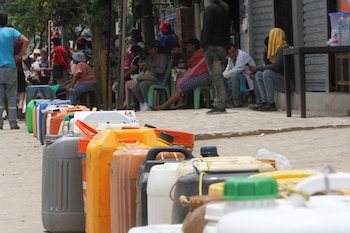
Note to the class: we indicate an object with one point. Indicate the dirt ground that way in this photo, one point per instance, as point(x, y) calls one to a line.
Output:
point(21, 158)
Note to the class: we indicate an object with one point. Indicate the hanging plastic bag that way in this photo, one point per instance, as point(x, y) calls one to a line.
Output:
point(282, 162)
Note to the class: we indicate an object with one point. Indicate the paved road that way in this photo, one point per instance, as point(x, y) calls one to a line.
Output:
point(309, 143)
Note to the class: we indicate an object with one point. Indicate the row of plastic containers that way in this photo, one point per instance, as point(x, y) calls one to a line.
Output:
point(57, 117)
point(134, 177)
point(252, 205)
point(103, 173)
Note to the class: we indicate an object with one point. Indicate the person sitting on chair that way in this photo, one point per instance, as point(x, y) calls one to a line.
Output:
point(151, 72)
point(196, 75)
point(271, 77)
point(83, 80)
point(235, 69)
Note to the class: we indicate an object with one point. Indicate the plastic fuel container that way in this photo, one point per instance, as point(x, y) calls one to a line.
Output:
point(98, 168)
point(62, 199)
point(196, 176)
point(301, 212)
point(159, 180)
point(39, 92)
point(29, 114)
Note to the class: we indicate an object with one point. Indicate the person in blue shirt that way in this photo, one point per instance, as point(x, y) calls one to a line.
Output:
point(169, 39)
point(8, 70)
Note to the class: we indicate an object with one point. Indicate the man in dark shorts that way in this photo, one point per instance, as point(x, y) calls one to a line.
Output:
point(21, 88)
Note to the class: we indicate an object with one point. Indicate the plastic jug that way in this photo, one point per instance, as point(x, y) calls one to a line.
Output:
point(40, 106)
point(154, 185)
point(222, 163)
point(35, 115)
point(322, 213)
point(55, 116)
point(206, 171)
point(105, 119)
point(82, 145)
point(124, 171)
point(39, 92)
point(62, 199)
point(287, 179)
point(29, 115)
point(99, 156)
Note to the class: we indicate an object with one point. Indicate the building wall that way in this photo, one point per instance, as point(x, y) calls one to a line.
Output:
point(315, 33)
point(261, 20)
point(310, 28)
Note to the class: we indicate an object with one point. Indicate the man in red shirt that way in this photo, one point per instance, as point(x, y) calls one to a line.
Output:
point(61, 61)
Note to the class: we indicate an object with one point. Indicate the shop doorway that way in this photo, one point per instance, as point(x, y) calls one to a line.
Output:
point(284, 18)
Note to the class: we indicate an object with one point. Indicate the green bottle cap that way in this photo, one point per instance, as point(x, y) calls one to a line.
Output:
point(244, 188)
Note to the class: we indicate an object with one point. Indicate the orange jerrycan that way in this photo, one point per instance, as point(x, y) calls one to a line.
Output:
point(98, 160)
point(82, 145)
point(125, 167)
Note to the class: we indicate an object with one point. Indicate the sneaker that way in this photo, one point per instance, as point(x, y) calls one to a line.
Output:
point(269, 108)
point(144, 107)
point(216, 111)
point(256, 107)
point(14, 127)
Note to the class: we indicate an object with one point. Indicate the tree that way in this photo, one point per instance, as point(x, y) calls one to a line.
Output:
point(31, 17)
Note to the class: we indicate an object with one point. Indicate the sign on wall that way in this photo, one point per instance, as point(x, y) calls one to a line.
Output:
point(54, 31)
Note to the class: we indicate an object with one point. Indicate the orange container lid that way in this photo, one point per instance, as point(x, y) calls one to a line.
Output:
point(82, 145)
point(181, 138)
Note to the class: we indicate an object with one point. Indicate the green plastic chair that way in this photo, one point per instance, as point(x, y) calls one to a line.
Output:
point(206, 90)
point(160, 92)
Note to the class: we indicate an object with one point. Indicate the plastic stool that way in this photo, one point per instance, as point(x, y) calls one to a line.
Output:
point(197, 95)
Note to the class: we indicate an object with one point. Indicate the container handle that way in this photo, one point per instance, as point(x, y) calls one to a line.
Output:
point(316, 183)
point(154, 151)
point(86, 129)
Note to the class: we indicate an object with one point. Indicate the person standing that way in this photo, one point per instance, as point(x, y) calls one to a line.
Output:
point(215, 38)
point(21, 85)
point(8, 71)
point(61, 62)
point(169, 39)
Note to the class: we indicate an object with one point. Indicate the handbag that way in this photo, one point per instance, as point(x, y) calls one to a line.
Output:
point(188, 73)
point(57, 72)
point(146, 75)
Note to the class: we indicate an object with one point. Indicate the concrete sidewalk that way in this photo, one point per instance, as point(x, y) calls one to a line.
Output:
point(308, 142)
point(238, 122)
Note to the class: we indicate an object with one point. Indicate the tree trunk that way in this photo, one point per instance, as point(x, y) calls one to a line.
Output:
point(147, 21)
point(96, 44)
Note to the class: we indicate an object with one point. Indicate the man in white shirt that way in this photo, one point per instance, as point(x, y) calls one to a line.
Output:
point(236, 67)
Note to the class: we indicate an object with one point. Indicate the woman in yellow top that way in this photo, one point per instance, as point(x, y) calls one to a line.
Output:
point(269, 78)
